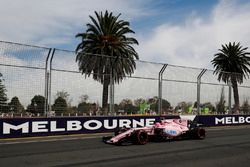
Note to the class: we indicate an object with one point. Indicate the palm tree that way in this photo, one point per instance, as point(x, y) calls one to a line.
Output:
point(231, 64)
point(106, 35)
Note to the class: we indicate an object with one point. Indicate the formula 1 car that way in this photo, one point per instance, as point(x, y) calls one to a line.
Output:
point(165, 130)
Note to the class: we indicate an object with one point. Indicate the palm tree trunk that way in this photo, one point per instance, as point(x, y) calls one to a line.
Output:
point(236, 95)
point(105, 92)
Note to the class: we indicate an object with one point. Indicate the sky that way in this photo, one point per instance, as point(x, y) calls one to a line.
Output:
point(178, 32)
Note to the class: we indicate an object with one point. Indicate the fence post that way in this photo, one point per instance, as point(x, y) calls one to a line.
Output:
point(50, 76)
point(199, 90)
point(229, 97)
point(160, 88)
point(46, 85)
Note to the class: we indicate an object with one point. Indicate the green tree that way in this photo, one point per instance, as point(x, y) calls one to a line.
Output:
point(37, 105)
point(84, 107)
point(72, 109)
point(245, 107)
point(183, 106)
point(3, 96)
point(15, 105)
point(126, 101)
point(165, 105)
point(209, 105)
point(231, 64)
point(84, 98)
point(152, 100)
point(65, 95)
point(88, 108)
point(60, 105)
point(139, 101)
point(106, 35)
point(127, 106)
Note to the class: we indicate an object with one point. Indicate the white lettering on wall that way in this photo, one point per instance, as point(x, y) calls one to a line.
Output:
point(7, 127)
point(39, 126)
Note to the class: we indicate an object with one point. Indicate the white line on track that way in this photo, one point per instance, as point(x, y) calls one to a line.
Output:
point(48, 140)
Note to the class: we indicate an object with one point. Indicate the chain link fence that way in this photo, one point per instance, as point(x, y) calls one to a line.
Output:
point(23, 71)
point(38, 81)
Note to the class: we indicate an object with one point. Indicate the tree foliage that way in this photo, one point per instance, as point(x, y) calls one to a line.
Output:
point(165, 105)
point(139, 101)
point(183, 106)
point(87, 108)
point(106, 35)
point(3, 96)
point(15, 105)
point(84, 98)
point(37, 105)
point(65, 95)
point(209, 105)
point(60, 105)
point(128, 107)
point(245, 107)
point(232, 64)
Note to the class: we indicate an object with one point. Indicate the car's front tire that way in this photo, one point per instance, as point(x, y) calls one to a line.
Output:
point(140, 137)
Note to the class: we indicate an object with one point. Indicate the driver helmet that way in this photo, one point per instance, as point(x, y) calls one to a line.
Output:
point(157, 124)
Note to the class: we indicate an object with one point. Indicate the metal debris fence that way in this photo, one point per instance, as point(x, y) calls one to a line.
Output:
point(38, 76)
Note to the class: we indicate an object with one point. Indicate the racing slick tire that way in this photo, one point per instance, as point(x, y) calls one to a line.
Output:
point(200, 133)
point(140, 137)
point(106, 138)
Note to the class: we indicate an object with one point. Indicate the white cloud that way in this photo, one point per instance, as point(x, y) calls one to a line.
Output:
point(55, 22)
point(194, 42)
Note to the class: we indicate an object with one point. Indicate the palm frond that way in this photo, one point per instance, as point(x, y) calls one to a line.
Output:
point(230, 60)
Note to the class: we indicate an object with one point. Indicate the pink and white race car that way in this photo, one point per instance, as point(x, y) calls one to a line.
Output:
point(165, 130)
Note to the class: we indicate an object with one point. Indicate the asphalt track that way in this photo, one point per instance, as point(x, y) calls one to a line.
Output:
point(222, 148)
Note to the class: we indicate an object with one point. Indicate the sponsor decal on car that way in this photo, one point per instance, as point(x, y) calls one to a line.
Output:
point(170, 132)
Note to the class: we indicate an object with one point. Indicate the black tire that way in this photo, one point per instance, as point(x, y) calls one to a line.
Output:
point(200, 133)
point(140, 137)
point(106, 138)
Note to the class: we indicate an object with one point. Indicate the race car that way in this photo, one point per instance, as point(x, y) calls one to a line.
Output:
point(165, 130)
